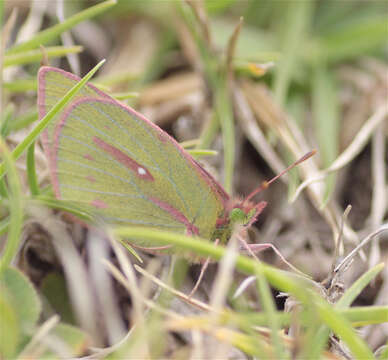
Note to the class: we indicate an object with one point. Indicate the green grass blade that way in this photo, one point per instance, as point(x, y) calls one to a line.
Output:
point(383, 352)
point(4, 226)
point(350, 294)
point(59, 106)
point(326, 120)
point(20, 85)
point(225, 117)
point(15, 209)
point(22, 121)
point(202, 152)
point(286, 282)
point(270, 311)
point(3, 189)
point(47, 35)
point(365, 36)
point(125, 95)
point(6, 119)
point(342, 328)
point(208, 133)
point(367, 315)
point(297, 21)
point(31, 56)
point(31, 172)
point(62, 205)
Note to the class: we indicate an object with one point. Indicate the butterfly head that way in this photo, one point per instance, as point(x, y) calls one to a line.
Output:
point(244, 213)
point(240, 213)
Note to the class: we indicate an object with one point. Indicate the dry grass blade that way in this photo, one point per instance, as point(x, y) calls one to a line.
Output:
point(98, 251)
point(201, 15)
point(119, 277)
point(339, 245)
point(379, 203)
point(231, 49)
point(379, 231)
point(79, 285)
point(34, 349)
point(271, 115)
point(244, 285)
point(68, 40)
point(198, 350)
point(170, 89)
point(360, 139)
point(131, 283)
point(379, 176)
point(254, 133)
point(4, 37)
point(7, 29)
point(197, 303)
point(34, 20)
point(224, 275)
point(222, 282)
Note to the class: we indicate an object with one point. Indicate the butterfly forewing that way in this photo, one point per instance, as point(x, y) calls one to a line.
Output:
point(117, 163)
point(53, 85)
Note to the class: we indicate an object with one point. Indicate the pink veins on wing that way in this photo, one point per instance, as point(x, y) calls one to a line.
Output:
point(139, 170)
point(99, 204)
point(89, 157)
point(177, 215)
point(90, 178)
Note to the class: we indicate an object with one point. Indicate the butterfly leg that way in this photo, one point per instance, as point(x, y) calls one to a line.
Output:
point(202, 273)
point(253, 249)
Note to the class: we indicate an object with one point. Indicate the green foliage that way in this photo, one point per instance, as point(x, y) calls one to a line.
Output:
point(33, 56)
point(23, 296)
point(54, 289)
point(298, 287)
point(19, 310)
point(52, 33)
point(9, 326)
point(73, 338)
point(326, 118)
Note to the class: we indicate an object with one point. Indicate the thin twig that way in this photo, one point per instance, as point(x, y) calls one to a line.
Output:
point(359, 246)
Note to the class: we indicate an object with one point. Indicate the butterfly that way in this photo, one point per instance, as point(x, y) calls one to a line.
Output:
point(117, 164)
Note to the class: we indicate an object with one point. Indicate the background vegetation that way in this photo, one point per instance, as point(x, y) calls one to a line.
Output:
point(262, 83)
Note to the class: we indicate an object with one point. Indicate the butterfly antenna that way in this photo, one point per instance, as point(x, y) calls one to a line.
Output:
point(265, 184)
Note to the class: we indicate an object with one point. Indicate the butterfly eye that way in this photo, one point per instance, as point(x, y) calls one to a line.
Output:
point(238, 216)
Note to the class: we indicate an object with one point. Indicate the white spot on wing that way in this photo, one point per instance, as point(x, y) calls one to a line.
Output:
point(141, 171)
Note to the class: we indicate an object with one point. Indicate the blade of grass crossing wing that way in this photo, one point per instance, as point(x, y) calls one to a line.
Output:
point(59, 106)
point(31, 173)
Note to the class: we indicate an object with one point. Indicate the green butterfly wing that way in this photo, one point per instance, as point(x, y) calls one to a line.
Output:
point(53, 85)
point(113, 161)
